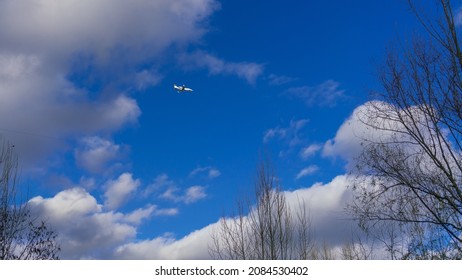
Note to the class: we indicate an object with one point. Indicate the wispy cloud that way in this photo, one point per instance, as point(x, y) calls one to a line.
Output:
point(326, 94)
point(307, 171)
point(165, 188)
point(290, 134)
point(160, 183)
point(278, 80)
point(147, 78)
point(188, 196)
point(248, 71)
point(310, 151)
point(210, 171)
point(194, 194)
point(137, 216)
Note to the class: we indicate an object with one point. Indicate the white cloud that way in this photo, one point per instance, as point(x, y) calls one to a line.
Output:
point(326, 94)
point(346, 142)
point(85, 230)
point(194, 194)
point(171, 193)
point(193, 246)
point(248, 71)
point(307, 171)
point(309, 151)
point(169, 190)
point(211, 172)
point(352, 134)
point(277, 80)
point(72, 202)
point(118, 191)
point(137, 216)
point(166, 212)
point(324, 203)
point(378, 122)
point(162, 181)
point(188, 196)
point(95, 153)
point(276, 132)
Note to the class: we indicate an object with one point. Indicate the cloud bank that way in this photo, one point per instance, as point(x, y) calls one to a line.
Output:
point(324, 203)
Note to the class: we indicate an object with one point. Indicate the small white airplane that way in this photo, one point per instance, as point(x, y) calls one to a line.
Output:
point(181, 88)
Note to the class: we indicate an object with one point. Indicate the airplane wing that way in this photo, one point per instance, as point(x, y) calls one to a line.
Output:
point(181, 88)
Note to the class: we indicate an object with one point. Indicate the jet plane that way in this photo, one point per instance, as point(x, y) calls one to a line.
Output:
point(181, 88)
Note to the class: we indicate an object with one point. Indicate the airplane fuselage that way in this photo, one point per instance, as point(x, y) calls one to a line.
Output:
point(181, 88)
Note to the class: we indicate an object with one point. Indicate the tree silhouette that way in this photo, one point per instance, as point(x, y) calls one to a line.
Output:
point(416, 162)
point(22, 236)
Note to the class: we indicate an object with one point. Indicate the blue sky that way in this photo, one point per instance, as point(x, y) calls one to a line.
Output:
point(125, 167)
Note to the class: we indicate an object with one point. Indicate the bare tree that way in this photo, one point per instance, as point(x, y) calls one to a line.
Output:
point(22, 237)
point(267, 229)
point(415, 156)
point(358, 247)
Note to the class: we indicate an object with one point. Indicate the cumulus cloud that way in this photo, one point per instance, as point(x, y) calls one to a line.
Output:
point(248, 71)
point(345, 144)
point(350, 137)
point(307, 171)
point(193, 246)
point(324, 203)
point(85, 230)
point(118, 191)
point(326, 94)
